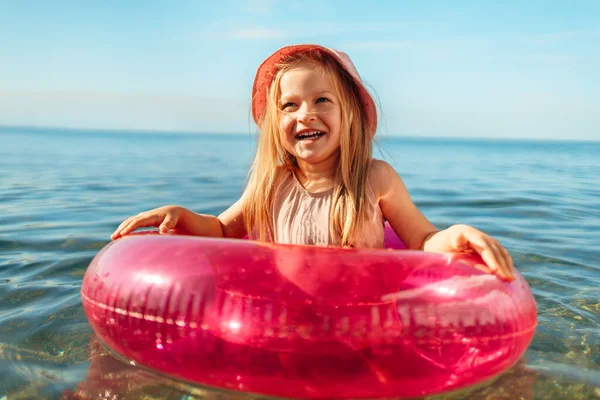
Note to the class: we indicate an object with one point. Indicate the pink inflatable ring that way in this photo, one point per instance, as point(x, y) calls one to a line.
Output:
point(304, 321)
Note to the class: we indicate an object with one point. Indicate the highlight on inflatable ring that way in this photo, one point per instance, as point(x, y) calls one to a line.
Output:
point(306, 321)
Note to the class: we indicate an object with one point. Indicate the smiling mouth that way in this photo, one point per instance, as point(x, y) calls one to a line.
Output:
point(309, 135)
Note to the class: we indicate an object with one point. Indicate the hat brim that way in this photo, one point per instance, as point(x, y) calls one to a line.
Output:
point(268, 68)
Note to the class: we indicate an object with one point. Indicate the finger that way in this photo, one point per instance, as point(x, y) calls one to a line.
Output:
point(139, 222)
point(489, 252)
point(483, 268)
point(488, 256)
point(130, 226)
point(501, 258)
point(509, 261)
point(117, 232)
point(129, 220)
point(495, 264)
point(168, 223)
point(507, 256)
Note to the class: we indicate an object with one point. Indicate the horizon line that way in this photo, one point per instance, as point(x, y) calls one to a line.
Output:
point(42, 128)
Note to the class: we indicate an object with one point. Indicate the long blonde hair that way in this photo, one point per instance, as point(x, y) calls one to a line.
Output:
point(349, 206)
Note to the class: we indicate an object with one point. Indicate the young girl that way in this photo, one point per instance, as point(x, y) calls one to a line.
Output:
point(313, 180)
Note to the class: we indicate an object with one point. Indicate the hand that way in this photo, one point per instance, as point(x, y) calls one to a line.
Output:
point(165, 218)
point(464, 238)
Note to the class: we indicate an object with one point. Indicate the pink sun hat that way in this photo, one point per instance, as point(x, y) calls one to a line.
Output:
point(268, 68)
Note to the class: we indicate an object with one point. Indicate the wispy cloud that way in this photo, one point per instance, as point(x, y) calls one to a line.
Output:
point(296, 31)
point(539, 39)
point(260, 7)
point(560, 36)
point(155, 112)
point(544, 48)
point(423, 49)
point(257, 33)
point(379, 44)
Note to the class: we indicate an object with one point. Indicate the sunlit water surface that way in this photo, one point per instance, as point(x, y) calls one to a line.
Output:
point(63, 192)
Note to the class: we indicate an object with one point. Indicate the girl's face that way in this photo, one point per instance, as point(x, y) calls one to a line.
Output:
point(311, 114)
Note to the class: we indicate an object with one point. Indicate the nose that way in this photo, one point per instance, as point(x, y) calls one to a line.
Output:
point(305, 113)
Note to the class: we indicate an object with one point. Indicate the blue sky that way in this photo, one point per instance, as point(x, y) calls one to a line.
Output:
point(516, 69)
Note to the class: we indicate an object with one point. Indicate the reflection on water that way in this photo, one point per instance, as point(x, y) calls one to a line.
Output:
point(61, 199)
point(110, 377)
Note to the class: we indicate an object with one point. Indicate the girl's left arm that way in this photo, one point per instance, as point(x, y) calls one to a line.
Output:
point(417, 233)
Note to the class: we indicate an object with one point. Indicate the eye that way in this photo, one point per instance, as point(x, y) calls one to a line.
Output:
point(322, 100)
point(288, 106)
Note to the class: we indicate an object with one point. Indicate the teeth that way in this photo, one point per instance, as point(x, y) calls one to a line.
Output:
point(310, 135)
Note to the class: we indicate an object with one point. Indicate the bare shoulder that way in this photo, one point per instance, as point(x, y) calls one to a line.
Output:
point(382, 177)
point(397, 207)
point(380, 168)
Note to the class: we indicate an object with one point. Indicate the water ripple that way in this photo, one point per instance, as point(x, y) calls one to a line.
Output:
point(63, 197)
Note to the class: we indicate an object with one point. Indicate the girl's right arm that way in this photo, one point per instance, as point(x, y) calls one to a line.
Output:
point(230, 224)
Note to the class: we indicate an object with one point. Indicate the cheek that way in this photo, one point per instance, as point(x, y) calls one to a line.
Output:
point(286, 123)
point(337, 118)
point(333, 118)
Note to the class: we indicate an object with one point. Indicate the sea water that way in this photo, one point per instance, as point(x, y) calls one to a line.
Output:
point(63, 192)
